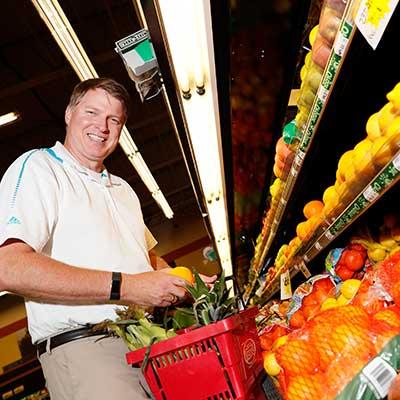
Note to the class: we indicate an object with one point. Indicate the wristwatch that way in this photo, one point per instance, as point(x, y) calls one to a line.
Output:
point(115, 293)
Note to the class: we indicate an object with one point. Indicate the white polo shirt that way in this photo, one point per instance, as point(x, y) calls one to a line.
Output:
point(77, 216)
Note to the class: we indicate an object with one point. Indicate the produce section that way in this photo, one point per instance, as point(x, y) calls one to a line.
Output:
point(331, 213)
point(363, 175)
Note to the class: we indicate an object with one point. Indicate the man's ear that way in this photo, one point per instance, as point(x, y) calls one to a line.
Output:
point(67, 116)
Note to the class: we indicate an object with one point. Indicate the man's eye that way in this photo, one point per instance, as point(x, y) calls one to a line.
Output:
point(115, 121)
point(90, 112)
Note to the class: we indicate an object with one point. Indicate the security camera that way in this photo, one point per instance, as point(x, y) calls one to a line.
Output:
point(140, 61)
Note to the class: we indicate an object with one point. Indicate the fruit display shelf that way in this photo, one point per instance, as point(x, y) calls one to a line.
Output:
point(339, 50)
point(326, 233)
point(341, 45)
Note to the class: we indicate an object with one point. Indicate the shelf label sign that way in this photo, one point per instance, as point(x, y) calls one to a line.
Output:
point(286, 287)
point(373, 17)
point(303, 268)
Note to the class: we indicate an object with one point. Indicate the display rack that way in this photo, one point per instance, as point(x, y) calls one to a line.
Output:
point(341, 45)
point(369, 195)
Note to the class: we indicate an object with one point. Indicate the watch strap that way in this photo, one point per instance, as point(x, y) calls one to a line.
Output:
point(115, 292)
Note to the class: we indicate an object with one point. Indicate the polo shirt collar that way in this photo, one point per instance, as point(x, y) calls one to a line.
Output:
point(103, 177)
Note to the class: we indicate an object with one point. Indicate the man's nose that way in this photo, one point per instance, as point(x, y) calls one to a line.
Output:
point(102, 123)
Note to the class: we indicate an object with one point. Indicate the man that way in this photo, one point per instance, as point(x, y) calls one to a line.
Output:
point(73, 242)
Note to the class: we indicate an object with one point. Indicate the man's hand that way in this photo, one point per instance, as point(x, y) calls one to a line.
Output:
point(153, 289)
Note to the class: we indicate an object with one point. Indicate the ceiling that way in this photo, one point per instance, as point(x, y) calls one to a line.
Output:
point(36, 80)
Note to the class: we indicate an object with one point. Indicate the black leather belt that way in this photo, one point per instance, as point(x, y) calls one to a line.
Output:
point(66, 337)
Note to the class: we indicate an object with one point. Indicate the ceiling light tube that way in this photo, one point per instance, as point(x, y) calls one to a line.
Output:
point(9, 118)
point(62, 31)
point(190, 46)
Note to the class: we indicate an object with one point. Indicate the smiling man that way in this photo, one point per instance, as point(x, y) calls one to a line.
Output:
point(74, 244)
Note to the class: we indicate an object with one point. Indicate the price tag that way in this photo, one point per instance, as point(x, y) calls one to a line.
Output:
point(396, 162)
point(379, 374)
point(370, 194)
point(372, 18)
point(283, 201)
point(317, 245)
point(305, 258)
point(322, 93)
point(286, 287)
point(329, 235)
point(340, 44)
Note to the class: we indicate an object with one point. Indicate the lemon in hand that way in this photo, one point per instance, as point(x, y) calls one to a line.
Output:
point(183, 272)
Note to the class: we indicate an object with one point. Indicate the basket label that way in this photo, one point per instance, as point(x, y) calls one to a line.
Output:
point(249, 351)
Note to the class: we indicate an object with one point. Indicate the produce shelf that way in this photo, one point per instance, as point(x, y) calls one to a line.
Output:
point(341, 45)
point(369, 195)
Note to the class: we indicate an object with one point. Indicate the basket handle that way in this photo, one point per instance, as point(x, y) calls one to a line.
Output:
point(146, 357)
point(239, 297)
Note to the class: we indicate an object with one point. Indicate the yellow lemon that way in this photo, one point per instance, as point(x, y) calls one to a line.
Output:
point(372, 127)
point(328, 303)
point(303, 72)
point(381, 152)
point(387, 114)
point(362, 160)
point(344, 162)
point(349, 288)
point(394, 128)
point(330, 196)
point(350, 174)
point(377, 254)
point(312, 35)
point(183, 272)
point(279, 342)
point(307, 59)
point(342, 300)
point(271, 366)
point(394, 96)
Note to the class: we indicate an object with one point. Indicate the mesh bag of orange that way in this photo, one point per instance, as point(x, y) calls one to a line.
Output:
point(319, 360)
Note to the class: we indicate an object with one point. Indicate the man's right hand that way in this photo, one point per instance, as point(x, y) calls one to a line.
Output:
point(152, 289)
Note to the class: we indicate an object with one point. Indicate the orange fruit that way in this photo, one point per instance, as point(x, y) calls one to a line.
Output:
point(183, 272)
point(302, 230)
point(305, 387)
point(297, 356)
point(313, 207)
point(389, 316)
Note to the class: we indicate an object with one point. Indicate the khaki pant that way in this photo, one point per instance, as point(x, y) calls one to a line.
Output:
point(91, 369)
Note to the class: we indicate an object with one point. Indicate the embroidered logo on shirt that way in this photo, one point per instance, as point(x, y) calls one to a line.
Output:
point(14, 221)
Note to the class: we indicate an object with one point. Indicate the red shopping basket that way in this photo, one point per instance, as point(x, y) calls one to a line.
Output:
point(218, 361)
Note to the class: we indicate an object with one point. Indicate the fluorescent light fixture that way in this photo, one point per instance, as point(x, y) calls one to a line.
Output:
point(188, 33)
point(9, 118)
point(59, 26)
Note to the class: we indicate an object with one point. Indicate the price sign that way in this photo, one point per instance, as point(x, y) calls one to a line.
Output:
point(286, 287)
point(372, 18)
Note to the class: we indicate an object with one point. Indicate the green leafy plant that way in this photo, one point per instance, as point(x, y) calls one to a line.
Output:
point(210, 304)
point(135, 328)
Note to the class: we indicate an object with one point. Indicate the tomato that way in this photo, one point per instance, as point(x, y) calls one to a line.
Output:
point(352, 259)
point(343, 272)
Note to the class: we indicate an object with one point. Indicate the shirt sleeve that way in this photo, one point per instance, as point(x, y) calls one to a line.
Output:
point(151, 241)
point(29, 198)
